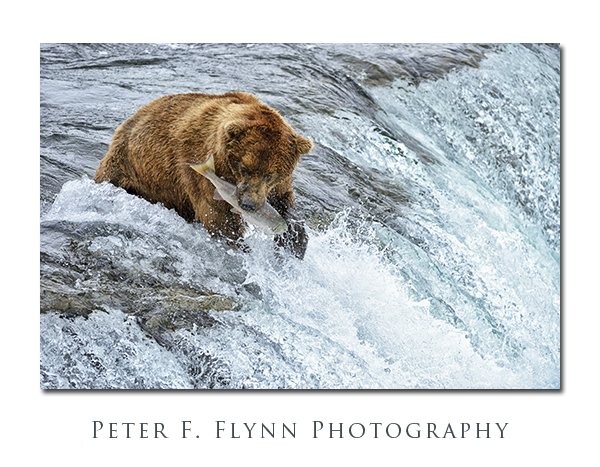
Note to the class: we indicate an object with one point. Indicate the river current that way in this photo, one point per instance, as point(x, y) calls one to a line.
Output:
point(432, 200)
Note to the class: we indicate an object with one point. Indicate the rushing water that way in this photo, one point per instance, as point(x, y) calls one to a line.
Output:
point(432, 198)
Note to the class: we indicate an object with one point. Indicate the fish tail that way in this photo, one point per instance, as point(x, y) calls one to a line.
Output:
point(201, 168)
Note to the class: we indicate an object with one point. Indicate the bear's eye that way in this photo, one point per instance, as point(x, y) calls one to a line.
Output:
point(244, 171)
point(269, 177)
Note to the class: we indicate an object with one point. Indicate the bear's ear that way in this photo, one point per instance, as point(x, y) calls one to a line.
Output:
point(234, 129)
point(303, 144)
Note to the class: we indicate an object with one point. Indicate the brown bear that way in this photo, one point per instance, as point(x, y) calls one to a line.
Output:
point(253, 148)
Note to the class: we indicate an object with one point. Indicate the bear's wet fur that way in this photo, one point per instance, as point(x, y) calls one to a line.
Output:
point(253, 148)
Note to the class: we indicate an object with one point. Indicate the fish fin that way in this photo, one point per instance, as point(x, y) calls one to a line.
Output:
point(201, 168)
point(217, 195)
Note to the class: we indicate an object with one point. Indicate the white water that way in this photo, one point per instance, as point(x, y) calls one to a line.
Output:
point(345, 317)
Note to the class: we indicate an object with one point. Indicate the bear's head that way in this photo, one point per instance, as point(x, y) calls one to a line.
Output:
point(261, 154)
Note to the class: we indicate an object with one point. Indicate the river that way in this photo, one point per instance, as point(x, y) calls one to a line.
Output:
point(432, 200)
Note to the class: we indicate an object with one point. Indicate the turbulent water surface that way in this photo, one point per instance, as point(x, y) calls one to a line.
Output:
point(432, 198)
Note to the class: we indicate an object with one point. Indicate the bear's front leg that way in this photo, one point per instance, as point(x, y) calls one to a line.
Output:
point(295, 239)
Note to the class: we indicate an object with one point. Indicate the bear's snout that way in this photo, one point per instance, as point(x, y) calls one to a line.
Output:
point(251, 196)
point(248, 205)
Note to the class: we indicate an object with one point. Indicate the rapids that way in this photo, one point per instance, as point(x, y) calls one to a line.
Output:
point(432, 198)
